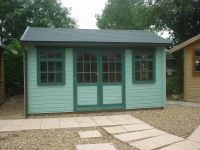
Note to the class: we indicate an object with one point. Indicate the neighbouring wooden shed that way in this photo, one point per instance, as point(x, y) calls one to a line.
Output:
point(191, 49)
point(70, 70)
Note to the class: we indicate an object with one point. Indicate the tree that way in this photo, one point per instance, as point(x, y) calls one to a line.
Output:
point(125, 14)
point(180, 17)
point(16, 15)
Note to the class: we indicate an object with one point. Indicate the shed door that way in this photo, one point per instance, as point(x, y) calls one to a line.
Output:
point(99, 80)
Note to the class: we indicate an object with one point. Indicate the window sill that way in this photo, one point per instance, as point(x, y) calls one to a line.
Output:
point(144, 82)
point(51, 84)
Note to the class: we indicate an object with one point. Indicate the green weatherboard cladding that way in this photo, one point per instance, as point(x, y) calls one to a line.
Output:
point(63, 98)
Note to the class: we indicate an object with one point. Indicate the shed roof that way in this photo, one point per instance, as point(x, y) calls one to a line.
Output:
point(184, 44)
point(63, 35)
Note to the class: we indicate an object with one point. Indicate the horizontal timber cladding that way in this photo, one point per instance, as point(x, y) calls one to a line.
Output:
point(49, 98)
point(191, 81)
point(146, 95)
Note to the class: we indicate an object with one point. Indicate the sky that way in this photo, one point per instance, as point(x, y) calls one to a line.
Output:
point(84, 11)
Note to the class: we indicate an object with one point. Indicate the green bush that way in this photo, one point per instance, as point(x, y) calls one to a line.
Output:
point(13, 65)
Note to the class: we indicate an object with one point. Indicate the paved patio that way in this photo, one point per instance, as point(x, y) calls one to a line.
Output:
point(125, 128)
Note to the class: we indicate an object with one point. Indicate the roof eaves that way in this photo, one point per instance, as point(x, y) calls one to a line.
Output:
point(184, 44)
point(24, 33)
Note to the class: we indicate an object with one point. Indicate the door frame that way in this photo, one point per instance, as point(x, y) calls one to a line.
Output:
point(100, 106)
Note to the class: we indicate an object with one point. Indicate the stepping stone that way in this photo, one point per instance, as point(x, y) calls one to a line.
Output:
point(89, 134)
point(119, 120)
point(137, 127)
point(195, 136)
point(115, 129)
point(184, 145)
point(50, 123)
point(132, 119)
point(156, 142)
point(85, 122)
point(103, 146)
point(132, 136)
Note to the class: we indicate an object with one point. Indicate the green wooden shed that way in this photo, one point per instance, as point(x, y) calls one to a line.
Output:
point(70, 70)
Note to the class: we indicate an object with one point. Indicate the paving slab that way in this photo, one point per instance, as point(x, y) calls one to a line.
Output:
point(102, 120)
point(132, 136)
point(195, 136)
point(68, 122)
point(10, 128)
point(156, 142)
point(15, 122)
point(137, 127)
point(89, 134)
point(103, 146)
point(115, 129)
point(132, 119)
point(184, 145)
point(50, 123)
point(119, 119)
point(30, 124)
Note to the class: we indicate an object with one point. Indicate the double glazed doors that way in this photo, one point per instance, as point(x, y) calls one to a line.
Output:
point(99, 79)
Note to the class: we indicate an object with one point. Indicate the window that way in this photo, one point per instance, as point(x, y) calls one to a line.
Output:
point(196, 62)
point(111, 67)
point(51, 66)
point(86, 67)
point(144, 66)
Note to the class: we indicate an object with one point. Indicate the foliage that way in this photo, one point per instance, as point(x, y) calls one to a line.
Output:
point(16, 15)
point(14, 69)
point(125, 14)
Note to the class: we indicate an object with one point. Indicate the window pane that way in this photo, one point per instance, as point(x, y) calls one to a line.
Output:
point(150, 65)
point(144, 66)
point(94, 67)
point(111, 67)
point(111, 77)
point(79, 67)
point(86, 67)
point(86, 77)
point(105, 57)
point(118, 77)
point(137, 76)
point(118, 67)
point(197, 52)
point(43, 66)
point(58, 66)
point(80, 77)
point(58, 77)
point(150, 75)
point(93, 77)
point(93, 57)
point(50, 66)
point(118, 57)
point(144, 54)
point(80, 56)
point(86, 57)
point(111, 57)
point(105, 77)
point(43, 77)
point(43, 54)
point(197, 65)
point(51, 54)
point(137, 66)
point(105, 67)
point(58, 54)
point(144, 76)
point(51, 77)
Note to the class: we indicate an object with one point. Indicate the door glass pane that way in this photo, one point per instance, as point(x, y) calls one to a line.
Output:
point(58, 66)
point(105, 77)
point(111, 77)
point(93, 77)
point(80, 56)
point(58, 54)
point(105, 67)
point(93, 67)
point(51, 54)
point(111, 67)
point(86, 56)
point(80, 77)
point(86, 77)
point(86, 66)
point(79, 66)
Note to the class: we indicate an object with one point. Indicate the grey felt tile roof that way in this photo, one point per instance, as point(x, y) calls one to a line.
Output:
point(38, 34)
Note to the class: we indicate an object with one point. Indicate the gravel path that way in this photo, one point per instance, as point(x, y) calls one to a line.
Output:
point(177, 120)
point(56, 139)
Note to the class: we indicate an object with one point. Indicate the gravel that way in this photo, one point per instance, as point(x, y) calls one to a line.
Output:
point(56, 139)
